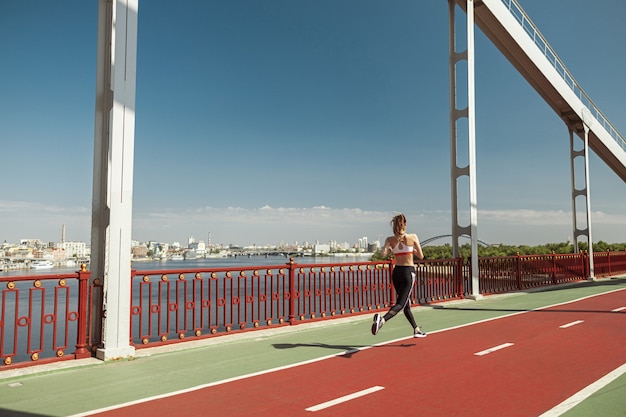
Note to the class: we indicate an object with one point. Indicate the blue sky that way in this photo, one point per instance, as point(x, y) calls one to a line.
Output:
point(297, 120)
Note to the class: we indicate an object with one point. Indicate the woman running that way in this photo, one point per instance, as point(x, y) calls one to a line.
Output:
point(404, 246)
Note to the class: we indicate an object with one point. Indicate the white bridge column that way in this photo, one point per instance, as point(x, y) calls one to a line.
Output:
point(584, 191)
point(456, 114)
point(113, 174)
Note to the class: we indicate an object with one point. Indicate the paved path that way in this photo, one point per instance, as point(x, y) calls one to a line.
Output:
point(437, 363)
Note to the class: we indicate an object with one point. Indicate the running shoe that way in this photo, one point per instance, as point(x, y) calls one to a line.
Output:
point(378, 323)
point(418, 332)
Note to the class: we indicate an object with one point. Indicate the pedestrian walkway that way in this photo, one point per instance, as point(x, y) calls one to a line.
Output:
point(87, 385)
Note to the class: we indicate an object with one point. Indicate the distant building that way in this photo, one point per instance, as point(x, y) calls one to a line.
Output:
point(139, 251)
point(74, 249)
point(199, 247)
point(321, 249)
point(343, 246)
point(32, 243)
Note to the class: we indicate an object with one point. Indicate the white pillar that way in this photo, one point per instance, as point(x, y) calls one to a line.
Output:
point(113, 172)
point(588, 202)
point(471, 125)
point(469, 170)
point(585, 191)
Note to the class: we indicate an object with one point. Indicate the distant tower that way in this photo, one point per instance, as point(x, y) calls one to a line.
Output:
point(63, 234)
point(209, 240)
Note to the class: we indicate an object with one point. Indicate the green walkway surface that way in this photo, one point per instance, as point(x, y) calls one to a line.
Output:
point(74, 387)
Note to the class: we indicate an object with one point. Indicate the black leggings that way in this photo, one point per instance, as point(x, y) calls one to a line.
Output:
point(403, 278)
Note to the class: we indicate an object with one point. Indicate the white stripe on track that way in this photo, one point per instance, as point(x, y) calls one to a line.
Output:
point(343, 399)
point(493, 349)
point(574, 323)
point(585, 393)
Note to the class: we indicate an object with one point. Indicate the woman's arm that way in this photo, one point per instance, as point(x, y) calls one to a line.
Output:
point(386, 247)
point(417, 248)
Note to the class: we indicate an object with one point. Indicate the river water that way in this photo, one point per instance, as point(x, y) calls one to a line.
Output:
point(201, 263)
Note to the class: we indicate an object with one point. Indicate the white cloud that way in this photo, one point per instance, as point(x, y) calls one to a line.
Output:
point(272, 225)
point(527, 217)
point(23, 219)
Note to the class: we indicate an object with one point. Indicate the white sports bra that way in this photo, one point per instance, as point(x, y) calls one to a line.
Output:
point(402, 248)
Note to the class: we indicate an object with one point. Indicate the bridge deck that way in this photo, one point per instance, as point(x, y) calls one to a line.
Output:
point(90, 385)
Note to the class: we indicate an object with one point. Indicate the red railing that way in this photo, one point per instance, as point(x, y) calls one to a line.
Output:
point(607, 264)
point(169, 306)
point(46, 318)
point(513, 273)
point(439, 280)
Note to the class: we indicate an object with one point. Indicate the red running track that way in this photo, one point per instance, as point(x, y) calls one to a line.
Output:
point(440, 375)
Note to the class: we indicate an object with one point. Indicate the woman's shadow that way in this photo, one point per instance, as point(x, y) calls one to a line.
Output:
point(348, 350)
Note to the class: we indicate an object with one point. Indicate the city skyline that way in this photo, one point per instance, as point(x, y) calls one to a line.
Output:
point(273, 121)
point(190, 240)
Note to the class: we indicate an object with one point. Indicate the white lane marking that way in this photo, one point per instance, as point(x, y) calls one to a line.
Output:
point(574, 323)
point(585, 393)
point(493, 349)
point(345, 398)
point(618, 309)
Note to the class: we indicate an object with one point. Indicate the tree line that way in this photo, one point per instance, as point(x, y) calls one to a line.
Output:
point(465, 251)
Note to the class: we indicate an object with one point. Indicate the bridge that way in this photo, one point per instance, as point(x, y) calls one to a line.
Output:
point(503, 21)
point(432, 239)
point(512, 31)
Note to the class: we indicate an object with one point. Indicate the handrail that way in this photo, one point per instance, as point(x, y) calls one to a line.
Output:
point(516, 10)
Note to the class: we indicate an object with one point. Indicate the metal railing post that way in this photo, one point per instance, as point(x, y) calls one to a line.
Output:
point(459, 276)
point(292, 292)
point(83, 300)
point(585, 260)
point(518, 271)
